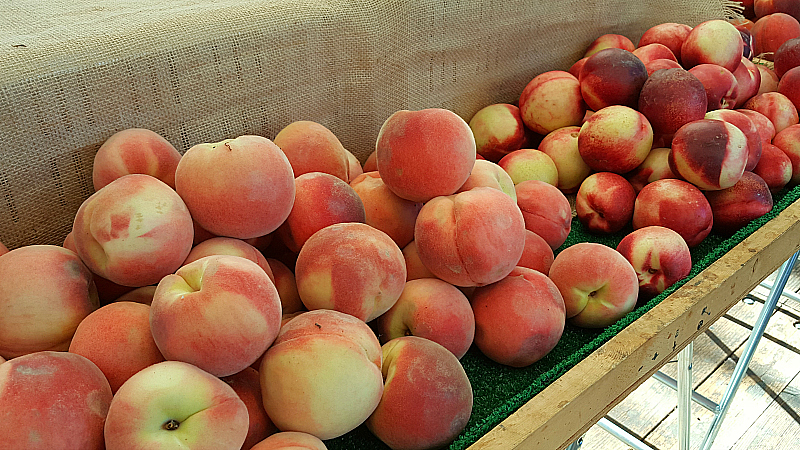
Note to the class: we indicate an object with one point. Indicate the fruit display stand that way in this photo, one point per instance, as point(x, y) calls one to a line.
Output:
point(195, 71)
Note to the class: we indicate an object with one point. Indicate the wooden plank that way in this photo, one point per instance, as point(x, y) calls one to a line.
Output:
point(563, 411)
point(778, 426)
point(771, 369)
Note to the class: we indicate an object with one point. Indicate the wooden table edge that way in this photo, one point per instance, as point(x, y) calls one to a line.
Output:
point(563, 411)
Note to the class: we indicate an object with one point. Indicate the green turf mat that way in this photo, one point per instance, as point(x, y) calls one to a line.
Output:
point(500, 390)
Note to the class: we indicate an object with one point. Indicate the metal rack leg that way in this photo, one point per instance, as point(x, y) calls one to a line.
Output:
point(749, 350)
point(575, 445)
point(685, 395)
point(620, 433)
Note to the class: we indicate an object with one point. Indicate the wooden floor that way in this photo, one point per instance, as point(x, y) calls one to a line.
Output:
point(765, 413)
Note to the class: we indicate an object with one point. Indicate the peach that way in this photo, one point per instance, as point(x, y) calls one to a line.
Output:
point(415, 269)
point(219, 313)
point(135, 150)
point(720, 85)
point(311, 147)
point(659, 256)
point(546, 211)
point(247, 385)
point(174, 401)
point(609, 41)
point(498, 130)
point(432, 309)
point(788, 140)
point(713, 42)
point(677, 205)
point(669, 34)
point(769, 79)
point(577, 66)
point(232, 247)
point(552, 100)
point(294, 440)
point(320, 200)
point(352, 268)
point(598, 284)
point(787, 6)
point(427, 398)
point(789, 85)
point(3, 249)
point(413, 147)
point(53, 400)
point(386, 211)
point(488, 174)
point(519, 319)
point(765, 127)
point(654, 167)
point(612, 77)
point(651, 52)
point(711, 154)
point(133, 231)
point(537, 254)
point(561, 146)
point(529, 164)
point(671, 98)
point(763, 8)
point(746, 126)
point(774, 167)
point(604, 202)
point(472, 238)
point(748, 78)
point(734, 207)
point(117, 339)
point(771, 31)
point(354, 166)
point(46, 291)
point(343, 388)
point(242, 188)
point(787, 56)
point(143, 295)
point(778, 108)
point(371, 164)
point(286, 284)
point(615, 139)
point(658, 64)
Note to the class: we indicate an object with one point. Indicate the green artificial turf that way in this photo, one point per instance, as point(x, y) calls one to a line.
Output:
point(500, 390)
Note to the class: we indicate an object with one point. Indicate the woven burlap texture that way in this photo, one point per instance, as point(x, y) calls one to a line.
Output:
point(74, 72)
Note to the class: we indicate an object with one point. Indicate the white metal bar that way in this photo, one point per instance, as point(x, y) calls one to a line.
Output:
point(749, 349)
point(700, 399)
point(621, 434)
point(685, 395)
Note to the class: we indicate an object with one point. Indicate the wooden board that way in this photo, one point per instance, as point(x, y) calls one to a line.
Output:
point(563, 411)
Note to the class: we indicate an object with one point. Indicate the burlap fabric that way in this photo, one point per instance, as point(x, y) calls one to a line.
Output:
point(73, 72)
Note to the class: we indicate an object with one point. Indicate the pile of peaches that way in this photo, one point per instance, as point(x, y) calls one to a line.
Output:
point(268, 294)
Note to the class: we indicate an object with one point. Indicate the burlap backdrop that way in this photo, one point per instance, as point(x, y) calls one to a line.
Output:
point(75, 71)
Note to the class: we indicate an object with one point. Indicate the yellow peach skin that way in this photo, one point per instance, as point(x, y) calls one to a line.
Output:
point(219, 313)
point(135, 150)
point(173, 404)
point(134, 231)
point(350, 267)
point(322, 375)
point(46, 291)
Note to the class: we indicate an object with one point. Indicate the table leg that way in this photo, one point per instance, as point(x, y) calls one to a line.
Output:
point(749, 350)
point(685, 395)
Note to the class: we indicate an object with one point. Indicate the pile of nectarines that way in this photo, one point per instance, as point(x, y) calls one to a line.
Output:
point(268, 294)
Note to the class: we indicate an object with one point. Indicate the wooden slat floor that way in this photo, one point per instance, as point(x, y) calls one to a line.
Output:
point(765, 413)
